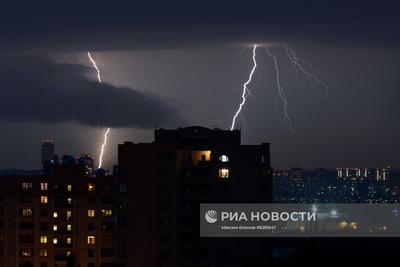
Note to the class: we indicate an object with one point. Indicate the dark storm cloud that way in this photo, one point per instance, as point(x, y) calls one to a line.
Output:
point(146, 24)
point(33, 88)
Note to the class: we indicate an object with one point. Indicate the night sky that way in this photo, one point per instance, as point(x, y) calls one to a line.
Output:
point(171, 64)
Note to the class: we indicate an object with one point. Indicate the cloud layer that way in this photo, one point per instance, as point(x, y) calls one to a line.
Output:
point(50, 25)
point(34, 88)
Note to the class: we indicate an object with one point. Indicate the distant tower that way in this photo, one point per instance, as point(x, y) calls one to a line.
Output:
point(86, 161)
point(47, 151)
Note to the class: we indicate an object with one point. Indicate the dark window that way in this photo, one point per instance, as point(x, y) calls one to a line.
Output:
point(122, 188)
point(107, 252)
point(26, 225)
point(43, 226)
point(107, 200)
point(44, 213)
point(107, 226)
point(107, 187)
point(91, 226)
point(90, 253)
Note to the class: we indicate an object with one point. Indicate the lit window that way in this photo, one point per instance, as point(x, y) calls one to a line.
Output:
point(69, 253)
point(55, 215)
point(26, 186)
point(69, 227)
point(224, 158)
point(55, 227)
point(43, 252)
point(90, 213)
point(69, 188)
point(90, 187)
point(90, 239)
point(43, 186)
point(223, 173)
point(27, 212)
point(69, 240)
point(55, 240)
point(69, 215)
point(26, 252)
point(69, 201)
point(106, 213)
point(43, 239)
point(43, 199)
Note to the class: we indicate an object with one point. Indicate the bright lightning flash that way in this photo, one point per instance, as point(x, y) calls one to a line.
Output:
point(282, 94)
point(95, 66)
point(108, 129)
point(102, 147)
point(245, 91)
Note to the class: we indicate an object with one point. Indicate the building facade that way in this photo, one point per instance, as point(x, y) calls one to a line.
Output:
point(170, 177)
point(63, 219)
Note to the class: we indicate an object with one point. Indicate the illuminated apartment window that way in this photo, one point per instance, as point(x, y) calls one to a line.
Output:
point(55, 240)
point(43, 199)
point(27, 212)
point(69, 254)
point(90, 187)
point(43, 252)
point(43, 239)
point(90, 213)
point(69, 188)
point(43, 186)
point(27, 186)
point(55, 227)
point(106, 213)
point(224, 158)
point(69, 215)
point(26, 252)
point(69, 227)
point(90, 239)
point(69, 240)
point(223, 173)
point(55, 215)
point(69, 201)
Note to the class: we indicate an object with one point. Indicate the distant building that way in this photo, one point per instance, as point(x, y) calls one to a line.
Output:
point(363, 174)
point(169, 178)
point(47, 151)
point(87, 162)
point(66, 218)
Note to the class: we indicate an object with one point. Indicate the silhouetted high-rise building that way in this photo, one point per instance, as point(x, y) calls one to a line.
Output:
point(170, 177)
point(47, 151)
point(87, 162)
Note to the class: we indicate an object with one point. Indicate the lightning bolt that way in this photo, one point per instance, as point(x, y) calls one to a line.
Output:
point(282, 94)
point(108, 129)
point(312, 76)
point(102, 147)
point(95, 66)
point(245, 91)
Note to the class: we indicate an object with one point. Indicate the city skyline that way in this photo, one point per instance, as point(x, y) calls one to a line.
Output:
point(177, 65)
point(199, 133)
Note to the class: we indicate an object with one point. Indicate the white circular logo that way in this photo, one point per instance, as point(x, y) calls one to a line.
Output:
point(211, 216)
